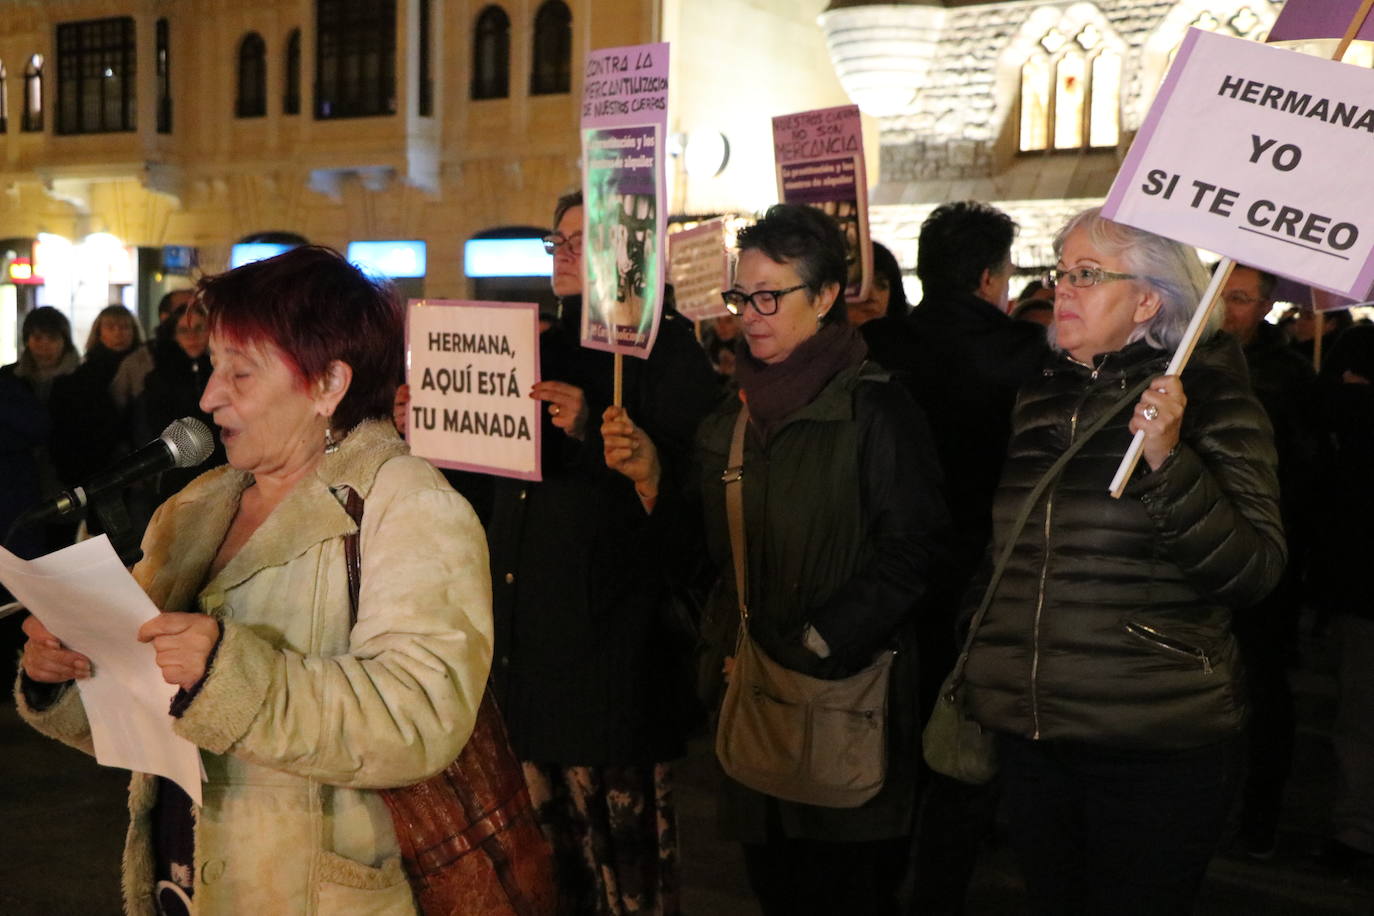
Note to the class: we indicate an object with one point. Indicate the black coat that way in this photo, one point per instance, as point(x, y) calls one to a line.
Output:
point(963, 361)
point(23, 431)
point(583, 668)
point(170, 392)
point(1344, 505)
point(88, 433)
point(1112, 622)
point(842, 511)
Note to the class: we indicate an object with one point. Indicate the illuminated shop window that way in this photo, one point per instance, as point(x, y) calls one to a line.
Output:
point(552, 71)
point(491, 55)
point(1071, 93)
point(251, 101)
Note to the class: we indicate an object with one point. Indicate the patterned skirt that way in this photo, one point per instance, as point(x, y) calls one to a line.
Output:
point(614, 835)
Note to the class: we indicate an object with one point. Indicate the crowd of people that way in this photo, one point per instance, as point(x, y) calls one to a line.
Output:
point(912, 480)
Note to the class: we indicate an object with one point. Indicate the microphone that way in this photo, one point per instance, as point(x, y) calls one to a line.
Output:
point(185, 443)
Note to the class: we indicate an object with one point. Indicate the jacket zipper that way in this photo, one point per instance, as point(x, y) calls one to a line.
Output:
point(1169, 644)
point(1040, 598)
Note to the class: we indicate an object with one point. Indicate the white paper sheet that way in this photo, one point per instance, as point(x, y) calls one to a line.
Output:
point(86, 597)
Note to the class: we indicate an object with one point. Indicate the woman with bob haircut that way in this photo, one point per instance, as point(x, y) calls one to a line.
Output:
point(300, 703)
point(1105, 663)
point(840, 508)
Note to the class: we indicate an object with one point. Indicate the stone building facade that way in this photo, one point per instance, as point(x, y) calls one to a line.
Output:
point(946, 83)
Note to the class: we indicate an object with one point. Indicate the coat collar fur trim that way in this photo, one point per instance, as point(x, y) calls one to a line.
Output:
point(309, 514)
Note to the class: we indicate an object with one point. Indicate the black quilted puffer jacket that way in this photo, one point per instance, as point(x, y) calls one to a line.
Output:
point(1111, 624)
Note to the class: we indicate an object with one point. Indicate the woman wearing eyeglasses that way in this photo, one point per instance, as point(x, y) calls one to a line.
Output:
point(1105, 663)
point(840, 506)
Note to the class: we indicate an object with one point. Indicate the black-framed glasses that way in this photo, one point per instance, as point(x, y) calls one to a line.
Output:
point(764, 301)
point(557, 240)
point(1082, 277)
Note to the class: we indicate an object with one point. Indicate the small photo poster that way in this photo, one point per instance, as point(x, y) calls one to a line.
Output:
point(624, 189)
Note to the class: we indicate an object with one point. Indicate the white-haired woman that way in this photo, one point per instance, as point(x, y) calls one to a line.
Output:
point(1105, 662)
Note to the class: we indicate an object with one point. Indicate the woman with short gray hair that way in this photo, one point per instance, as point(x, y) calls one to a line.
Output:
point(1105, 662)
point(1169, 268)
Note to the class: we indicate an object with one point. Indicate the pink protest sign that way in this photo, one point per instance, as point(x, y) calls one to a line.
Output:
point(699, 266)
point(1258, 153)
point(1307, 19)
point(470, 368)
point(624, 186)
point(820, 162)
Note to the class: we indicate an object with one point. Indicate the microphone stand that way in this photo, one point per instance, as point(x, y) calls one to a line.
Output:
point(113, 513)
point(110, 508)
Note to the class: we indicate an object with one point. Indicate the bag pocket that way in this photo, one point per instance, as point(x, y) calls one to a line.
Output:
point(846, 748)
point(770, 734)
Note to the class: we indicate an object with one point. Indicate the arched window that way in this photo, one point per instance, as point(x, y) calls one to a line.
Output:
point(491, 55)
point(33, 95)
point(291, 101)
point(552, 70)
point(355, 58)
point(1071, 93)
point(4, 100)
point(252, 91)
point(163, 65)
point(425, 104)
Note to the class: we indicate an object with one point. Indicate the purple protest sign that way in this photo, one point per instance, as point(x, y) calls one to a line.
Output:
point(820, 162)
point(624, 186)
point(1307, 19)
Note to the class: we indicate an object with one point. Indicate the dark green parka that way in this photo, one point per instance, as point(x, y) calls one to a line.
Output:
point(842, 507)
point(1112, 622)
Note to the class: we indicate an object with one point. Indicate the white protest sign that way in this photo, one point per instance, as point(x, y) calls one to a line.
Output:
point(1258, 153)
point(471, 366)
point(698, 267)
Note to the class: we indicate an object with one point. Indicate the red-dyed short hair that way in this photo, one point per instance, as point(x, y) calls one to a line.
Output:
point(316, 307)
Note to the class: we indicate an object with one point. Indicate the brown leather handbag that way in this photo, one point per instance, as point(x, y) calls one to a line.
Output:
point(468, 835)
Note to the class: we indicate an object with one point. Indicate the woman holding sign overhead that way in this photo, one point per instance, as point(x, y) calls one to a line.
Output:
point(840, 506)
point(1105, 662)
point(585, 670)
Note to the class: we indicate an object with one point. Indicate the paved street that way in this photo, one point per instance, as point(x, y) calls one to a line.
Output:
point(63, 824)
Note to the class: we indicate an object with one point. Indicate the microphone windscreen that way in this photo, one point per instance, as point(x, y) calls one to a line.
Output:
point(189, 440)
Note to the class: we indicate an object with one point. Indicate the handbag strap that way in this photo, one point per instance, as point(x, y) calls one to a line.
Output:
point(733, 477)
point(353, 505)
point(1040, 486)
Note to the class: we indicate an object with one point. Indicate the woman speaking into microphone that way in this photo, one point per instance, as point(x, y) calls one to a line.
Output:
point(299, 712)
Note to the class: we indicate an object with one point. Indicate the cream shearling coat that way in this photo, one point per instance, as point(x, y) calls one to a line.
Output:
point(298, 717)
